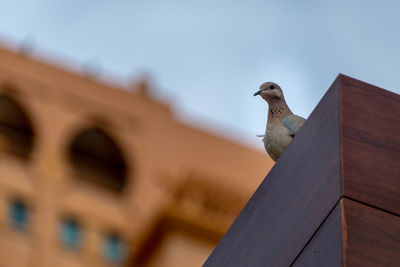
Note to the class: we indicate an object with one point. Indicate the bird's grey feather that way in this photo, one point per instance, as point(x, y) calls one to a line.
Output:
point(293, 123)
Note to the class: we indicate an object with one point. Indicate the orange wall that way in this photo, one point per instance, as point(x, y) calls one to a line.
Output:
point(159, 150)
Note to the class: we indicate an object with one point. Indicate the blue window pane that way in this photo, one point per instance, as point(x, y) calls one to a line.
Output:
point(114, 249)
point(18, 215)
point(71, 234)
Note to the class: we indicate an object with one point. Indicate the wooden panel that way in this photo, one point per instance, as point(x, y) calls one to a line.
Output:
point(325, 248)
point(370, 144)
point(293, 200)
point(372, 236)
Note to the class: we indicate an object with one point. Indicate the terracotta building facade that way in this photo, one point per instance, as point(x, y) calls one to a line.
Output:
point(94, 175)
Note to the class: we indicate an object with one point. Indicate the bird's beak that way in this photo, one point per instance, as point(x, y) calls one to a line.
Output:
point(257, 93)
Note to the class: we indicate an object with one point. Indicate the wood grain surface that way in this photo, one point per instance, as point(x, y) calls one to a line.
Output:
point(293, 200)
point(370, 119)
point(347, 152)
point(371, 236)
point(354, 234)
point(325, 248)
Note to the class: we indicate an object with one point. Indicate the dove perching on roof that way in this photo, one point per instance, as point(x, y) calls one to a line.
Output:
point(282, 124)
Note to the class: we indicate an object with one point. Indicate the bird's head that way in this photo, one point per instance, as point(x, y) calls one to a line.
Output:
point(270, 91)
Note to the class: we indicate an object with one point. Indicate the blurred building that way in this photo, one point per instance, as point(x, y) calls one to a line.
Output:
point(92, 175)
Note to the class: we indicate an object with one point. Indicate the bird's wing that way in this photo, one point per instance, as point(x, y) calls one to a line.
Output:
point(293, 123)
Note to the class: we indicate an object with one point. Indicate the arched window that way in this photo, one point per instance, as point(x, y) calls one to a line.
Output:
point(15, 127)
point(97, 159)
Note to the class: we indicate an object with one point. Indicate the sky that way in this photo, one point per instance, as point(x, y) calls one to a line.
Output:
point(207, 58)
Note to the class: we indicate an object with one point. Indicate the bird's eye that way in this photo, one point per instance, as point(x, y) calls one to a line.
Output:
point(271, 87)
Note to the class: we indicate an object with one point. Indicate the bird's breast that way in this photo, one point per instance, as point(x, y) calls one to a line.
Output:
point(277, 138)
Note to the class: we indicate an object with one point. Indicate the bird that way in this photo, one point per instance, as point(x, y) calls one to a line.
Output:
point(282, 124)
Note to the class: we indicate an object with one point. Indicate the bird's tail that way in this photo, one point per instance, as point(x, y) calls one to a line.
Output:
point(261, 136)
